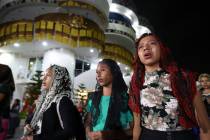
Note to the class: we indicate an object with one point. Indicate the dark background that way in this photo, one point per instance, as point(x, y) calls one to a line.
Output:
point(184, 27)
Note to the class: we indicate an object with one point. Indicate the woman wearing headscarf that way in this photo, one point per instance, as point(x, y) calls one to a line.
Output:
point(7, 86)
point(55, 116)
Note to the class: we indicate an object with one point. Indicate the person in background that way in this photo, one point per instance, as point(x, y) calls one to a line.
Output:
point(14, 120)
point(109, 116)
point(55, 115)
point(7, 87)
point(163, 97)
point(204, 80)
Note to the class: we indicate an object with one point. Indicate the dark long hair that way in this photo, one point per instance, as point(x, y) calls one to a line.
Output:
point(6, 77)
point(16, 103)
point(182, 82)
point(7, 86)
point(119, 97)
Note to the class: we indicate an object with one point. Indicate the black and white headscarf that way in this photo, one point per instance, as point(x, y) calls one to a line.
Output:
point(61, 86)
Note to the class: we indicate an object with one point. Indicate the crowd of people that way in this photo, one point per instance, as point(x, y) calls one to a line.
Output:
point(162, 102)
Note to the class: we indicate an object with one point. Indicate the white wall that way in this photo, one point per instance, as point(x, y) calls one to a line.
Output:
point(17, 63)
point(61, 57)
point(88, 78)
point(19, 67)
point(110, 1)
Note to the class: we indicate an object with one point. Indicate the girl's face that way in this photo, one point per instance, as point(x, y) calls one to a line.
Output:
point(47, 80)
point(103, 75)
point(205, 82)
point(149, 51)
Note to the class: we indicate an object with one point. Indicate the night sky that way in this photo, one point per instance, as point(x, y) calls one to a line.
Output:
point(184, 27)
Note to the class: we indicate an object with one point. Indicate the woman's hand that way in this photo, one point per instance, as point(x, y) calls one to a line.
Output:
point(27, 138)
point(27, 130)
point(27, 133)
point(23, 138)
point(29, 127)
point(95, 135)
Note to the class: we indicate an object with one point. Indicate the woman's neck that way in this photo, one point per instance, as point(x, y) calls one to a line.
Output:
point(107, 90)
point(152, 68)
point(206, 91)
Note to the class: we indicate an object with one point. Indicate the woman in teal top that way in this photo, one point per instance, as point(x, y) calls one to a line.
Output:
point(109, 117)
point(125, 117)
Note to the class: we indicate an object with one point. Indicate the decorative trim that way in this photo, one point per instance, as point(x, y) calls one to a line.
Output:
point(117, 53)
point(73, 30)
point(21, 31)
point(82, 5)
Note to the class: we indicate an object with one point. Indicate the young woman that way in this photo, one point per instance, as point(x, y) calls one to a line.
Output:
point(108, 112)
point(163, 97)
point(55, 116)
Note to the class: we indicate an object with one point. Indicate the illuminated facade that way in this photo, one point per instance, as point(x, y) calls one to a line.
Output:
point(37, 33)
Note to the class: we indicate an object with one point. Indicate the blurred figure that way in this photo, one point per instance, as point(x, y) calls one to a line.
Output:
point(109, 117)
point(14, 118)
point(7, 87)
point(163, 97)
point(80, 107)
point(204, 80)
point(55, 115)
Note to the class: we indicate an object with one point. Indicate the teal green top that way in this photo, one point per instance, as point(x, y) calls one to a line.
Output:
point(125, 117)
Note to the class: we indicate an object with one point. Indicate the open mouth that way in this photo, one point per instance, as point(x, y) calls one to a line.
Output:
point(147, 55)
point(100, 80)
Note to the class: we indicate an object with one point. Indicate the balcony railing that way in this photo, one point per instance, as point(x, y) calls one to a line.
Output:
point(9, 3)
point(121, 28)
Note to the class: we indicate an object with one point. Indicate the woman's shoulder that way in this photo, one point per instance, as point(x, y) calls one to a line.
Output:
point(63, 100)
point(125, 95)
point(93, 93)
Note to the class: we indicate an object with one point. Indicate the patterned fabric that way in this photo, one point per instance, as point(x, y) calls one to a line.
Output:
point(60, 87)
point(183, 88)
point(159, 107)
